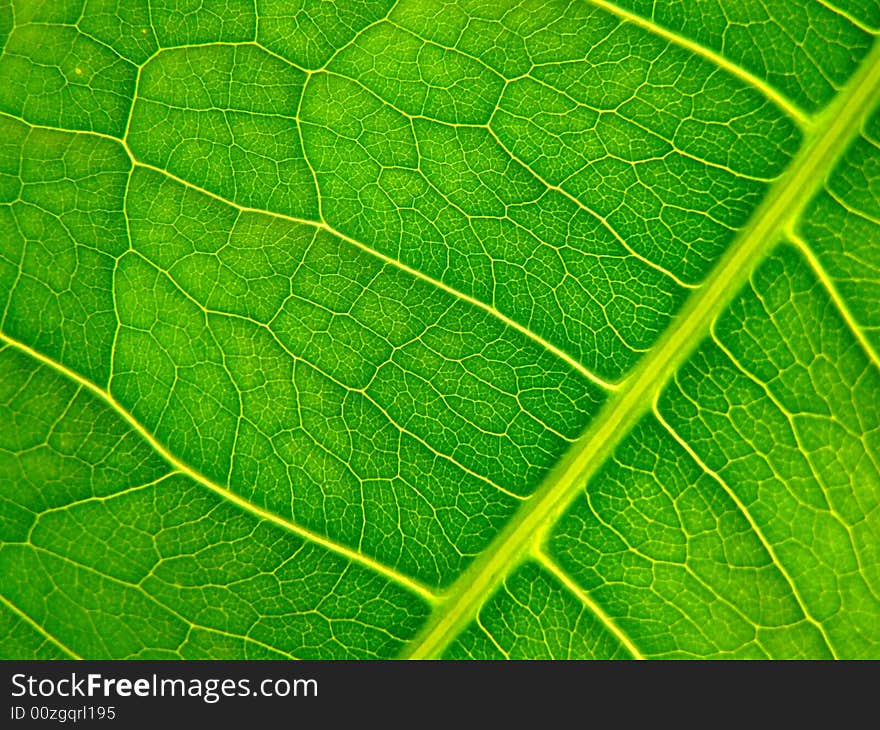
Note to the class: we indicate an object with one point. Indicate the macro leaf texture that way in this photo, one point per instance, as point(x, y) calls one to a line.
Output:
point(439, 329)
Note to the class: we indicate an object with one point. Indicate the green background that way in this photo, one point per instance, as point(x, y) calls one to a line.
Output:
point(439, 329)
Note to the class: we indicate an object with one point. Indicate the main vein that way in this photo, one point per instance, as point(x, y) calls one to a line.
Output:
point(832, 132)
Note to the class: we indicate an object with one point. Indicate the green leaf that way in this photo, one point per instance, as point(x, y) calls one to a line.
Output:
point(439, 329)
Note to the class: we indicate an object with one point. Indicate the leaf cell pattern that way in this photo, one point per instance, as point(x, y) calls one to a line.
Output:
point(439, 329)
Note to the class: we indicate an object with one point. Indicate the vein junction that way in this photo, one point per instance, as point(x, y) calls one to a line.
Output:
point(459, 283)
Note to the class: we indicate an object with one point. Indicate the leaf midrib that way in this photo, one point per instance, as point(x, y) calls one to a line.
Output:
point(831, 134)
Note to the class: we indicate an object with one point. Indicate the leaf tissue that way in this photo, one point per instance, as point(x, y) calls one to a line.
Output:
point(439, 328)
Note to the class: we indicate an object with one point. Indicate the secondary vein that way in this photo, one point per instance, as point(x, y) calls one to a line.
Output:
point(550, 347)
point(225, 493)
point(839, 302)
point(795, 112)
point(550, 566)
point(832, 133)
point(322, 225)
point(36, 627)
point(768, 546)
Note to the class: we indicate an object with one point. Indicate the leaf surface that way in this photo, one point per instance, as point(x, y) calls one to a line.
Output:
point(435, 329)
